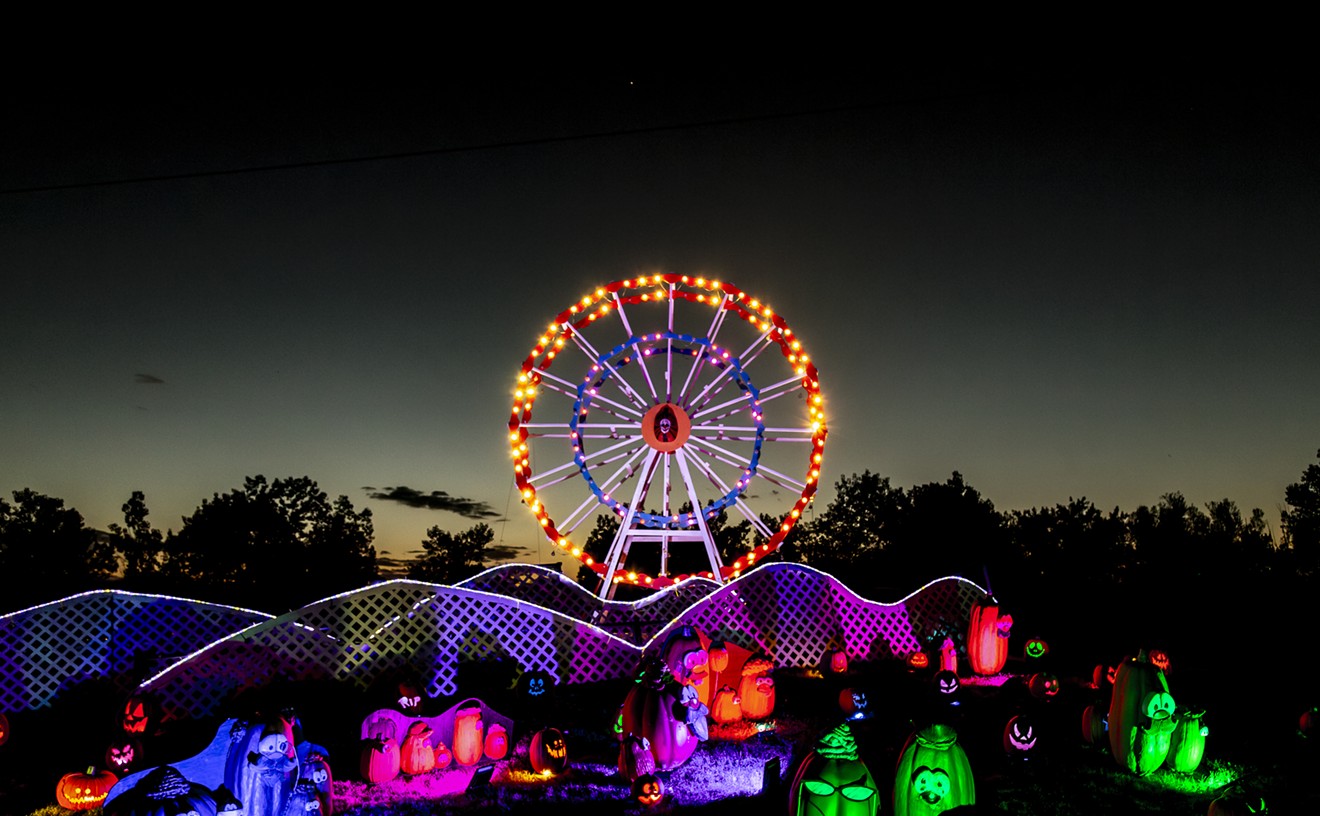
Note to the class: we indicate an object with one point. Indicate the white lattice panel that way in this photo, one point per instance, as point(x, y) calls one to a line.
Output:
point(797, 614)
point(48, 648)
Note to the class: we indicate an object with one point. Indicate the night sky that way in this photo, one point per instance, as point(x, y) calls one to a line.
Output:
point(1061, 283)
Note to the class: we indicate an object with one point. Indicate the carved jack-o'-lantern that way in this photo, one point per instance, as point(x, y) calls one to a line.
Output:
point(469, 735)
point(833, 781)
point(1159, 658)
point(854, 703)
point(548, 752)
point(648, 790)
point(838, 661)
point(1140, 725)
point(757, 689)
point(139, 715)
point(918, 660)
point(946, 682)
point(1043, 685)
point(1020, 736)
point(727, 706)
point(1036, 648)
point(123, 754)
point(497, 742)
point(933, 774)
point(84, 791)
point(987, 637)
point(1237, 803)
point(417, 756)
point(535, 685)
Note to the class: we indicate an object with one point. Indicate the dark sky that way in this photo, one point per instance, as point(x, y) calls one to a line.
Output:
point(1061, 282)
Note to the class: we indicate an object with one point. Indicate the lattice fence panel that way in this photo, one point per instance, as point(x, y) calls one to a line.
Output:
point(636, 622)
point(797, 614)
point(107, 633)
point(362, 637)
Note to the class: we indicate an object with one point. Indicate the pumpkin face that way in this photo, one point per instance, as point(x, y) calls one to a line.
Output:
point(757, 689)
point(1160, 659)
point(1140, 727)
point(839, 661)
point(123, 754)
point(648, 790)
point(833, 781)
point(1187, 742)
point(987, 638)
point(138, 714)
point(946, 682)
point(918, 660)
point(1237, 804)
point(548, 752)
point(84, 791)
point(854, 703)
point(536, 684)
point(497, 742)
point(417, 756)
point(1036, 648)
point(469, 736)
point(1019, 736)
point(1043, 685)
point(933, 774)
point(727, 706)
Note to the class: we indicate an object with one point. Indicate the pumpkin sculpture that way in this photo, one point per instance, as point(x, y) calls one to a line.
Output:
point(933, 774)
point(949, 656)
point(727, 706)
point(381, 759)
point(497, 742)
point(653, 710)
point(417, 756)
point(635, 757)
point(757, 688)
point(123, 754)
point(84, 791)
point(685, 657)
point(469, 735)
point(987, 637)
point(1187, 742)
point(548, 752)
point(1140, 716)
point(833, 781)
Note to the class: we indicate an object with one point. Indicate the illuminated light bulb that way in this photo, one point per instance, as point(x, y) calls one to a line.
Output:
point(648, 579)
point(801, 371)
point(590, 560)
point(795, 513)
point(545, 522)
point(576, 551)
point(796, 345)
point(816, 459)
point(632, 576)
point(786, 527)
point(513, 437)
point(600, 292)
point(573, 309)
point(684, 278)
point(563, 542)
point(701, 281)
point(756, 304)
point(528, 493)
point(815, 473)
point(714, 285)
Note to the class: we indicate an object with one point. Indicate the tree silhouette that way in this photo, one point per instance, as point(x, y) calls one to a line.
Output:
point(46, 552)
point(1301, 519)
point(138, 543)
point(448, 558)
point(274, 545)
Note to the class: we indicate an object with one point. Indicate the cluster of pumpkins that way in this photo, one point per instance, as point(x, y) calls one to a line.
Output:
point(468, 734)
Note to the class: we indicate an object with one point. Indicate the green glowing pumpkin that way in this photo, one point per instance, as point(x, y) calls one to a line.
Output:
point(1140, 721)
point(933, 774)
point(1187, 743)
point(833, 781)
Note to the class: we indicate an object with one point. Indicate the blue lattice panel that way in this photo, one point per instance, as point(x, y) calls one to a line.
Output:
point(105, 634)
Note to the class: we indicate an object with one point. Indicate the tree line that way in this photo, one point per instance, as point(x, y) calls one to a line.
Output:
point(277, 545)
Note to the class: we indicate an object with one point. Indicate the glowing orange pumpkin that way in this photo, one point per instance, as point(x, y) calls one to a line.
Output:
point(469, 735)
point(648, 790)
point(918, 660)
point(727, 706)
point(497, 742)
point(757, 689)
point(839, 661)
point(548, 752)
point(84, 791)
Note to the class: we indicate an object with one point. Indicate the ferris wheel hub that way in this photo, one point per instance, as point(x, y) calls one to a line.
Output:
point(666, 427)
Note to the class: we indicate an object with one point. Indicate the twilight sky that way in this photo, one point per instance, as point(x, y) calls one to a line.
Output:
point(1060, 283)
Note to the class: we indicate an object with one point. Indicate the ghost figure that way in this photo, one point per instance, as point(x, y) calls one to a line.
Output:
point(695, 715)
point(267, 773)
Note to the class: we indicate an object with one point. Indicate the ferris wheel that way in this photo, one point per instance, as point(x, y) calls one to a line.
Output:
point(670, 402)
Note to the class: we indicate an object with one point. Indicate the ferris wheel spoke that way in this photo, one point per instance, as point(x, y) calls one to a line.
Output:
point(716, 322)
point(597, 359)
point(624, 471)
point(731, 458)
point(739, 503)
point(697, 510)
point(573, 463)
point(780, 389)
point(754, 349)
point(636, 346)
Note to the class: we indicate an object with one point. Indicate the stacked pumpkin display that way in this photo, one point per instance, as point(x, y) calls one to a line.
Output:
point(1141, 721)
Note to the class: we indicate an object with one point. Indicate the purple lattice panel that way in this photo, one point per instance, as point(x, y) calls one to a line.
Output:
point(797, 614)
point(48, 648)
point(637, 622)
point(361, 637)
